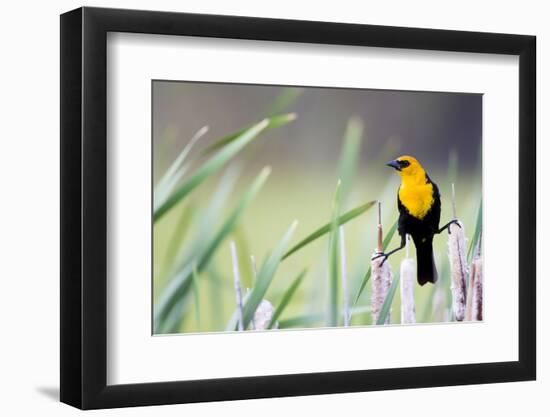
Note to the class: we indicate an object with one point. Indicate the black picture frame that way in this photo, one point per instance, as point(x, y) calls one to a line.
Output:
point(84, 207)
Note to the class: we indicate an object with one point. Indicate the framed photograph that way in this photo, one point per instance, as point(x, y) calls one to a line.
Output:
point(258, 208)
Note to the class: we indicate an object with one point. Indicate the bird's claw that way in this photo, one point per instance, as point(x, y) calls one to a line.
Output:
point(454, 221)
point(380, 255)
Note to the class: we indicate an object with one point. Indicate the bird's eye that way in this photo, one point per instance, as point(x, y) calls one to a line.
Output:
point(404, 164)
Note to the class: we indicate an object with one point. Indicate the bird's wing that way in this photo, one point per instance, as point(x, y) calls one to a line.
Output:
point(433, 216)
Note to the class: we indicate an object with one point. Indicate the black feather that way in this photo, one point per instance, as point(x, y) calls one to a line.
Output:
point(422, 232)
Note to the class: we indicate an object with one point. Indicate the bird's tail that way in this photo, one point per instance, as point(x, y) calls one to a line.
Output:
point(426, 270)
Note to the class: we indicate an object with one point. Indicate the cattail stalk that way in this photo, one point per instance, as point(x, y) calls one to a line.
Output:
point(237, 285)
point(379, 243)
point(474, 310)
point(381, 275)
point(453, 199)
point(459, 267)
point(347, 315)
point(407, 277)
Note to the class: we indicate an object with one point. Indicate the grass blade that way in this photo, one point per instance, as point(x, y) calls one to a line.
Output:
point(333, 273)
point(196, 296)
point(385, 243)
point(210, 215)
point(347, 166)
point(216, 301)
point(205, 223)
point(344, 272)
point(284, 100)
point(176, 170)
point(178, 162)
point(344, 218)
point(172, 323)
point(386, 307)
point(182, 226)
point(309, 319)
point(301, 321)
point(272, 123)
point(350, 155)
point(237, 285)
point(245, 266)
point(208, 168)
point(179, 284)
point(286, 297)
point(477, 232)
point(233, 323)
point(265, 276)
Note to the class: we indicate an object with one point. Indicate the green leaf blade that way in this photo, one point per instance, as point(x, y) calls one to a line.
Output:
point(477, 232)
point(176, 170)
point(196, 295)
point(288, 96)
point(211, 166)
point(287, 296)
point(180, 284)
point(386, 307)
point(333, 261)
point(273, 122)
point(301, 321)
point(344, 218)
point(265, 276)
point(346, 170)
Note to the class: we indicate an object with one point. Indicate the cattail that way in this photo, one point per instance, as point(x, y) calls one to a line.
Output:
point(474, 310)
point(407, 277)
point(379, 243)
point(347, 315)
point(381, 276)
point(381, 282)
point(237, 286)
point(459, 268)
point(263, 315)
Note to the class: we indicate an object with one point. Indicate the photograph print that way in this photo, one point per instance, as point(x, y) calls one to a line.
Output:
point(279, 208)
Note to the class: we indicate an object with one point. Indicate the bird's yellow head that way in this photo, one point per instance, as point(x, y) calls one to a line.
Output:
point(407, 167)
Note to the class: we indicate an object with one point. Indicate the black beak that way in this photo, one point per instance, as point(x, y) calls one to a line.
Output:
point(394, 164)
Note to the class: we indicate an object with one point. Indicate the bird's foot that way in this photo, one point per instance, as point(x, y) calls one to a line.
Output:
point(380, 255)
point(448, 226)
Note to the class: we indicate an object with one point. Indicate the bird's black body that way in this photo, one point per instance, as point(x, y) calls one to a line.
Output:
point(422, 232)
point(419, 215)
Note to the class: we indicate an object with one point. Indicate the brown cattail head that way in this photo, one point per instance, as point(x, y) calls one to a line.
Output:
point(381, 282)
point(474, 311)
point(408, 278)
point(459, 269)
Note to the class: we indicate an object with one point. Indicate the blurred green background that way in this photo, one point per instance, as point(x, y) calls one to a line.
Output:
point(442, 130)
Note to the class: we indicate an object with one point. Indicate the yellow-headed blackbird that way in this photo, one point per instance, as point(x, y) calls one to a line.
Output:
point(419, 207)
